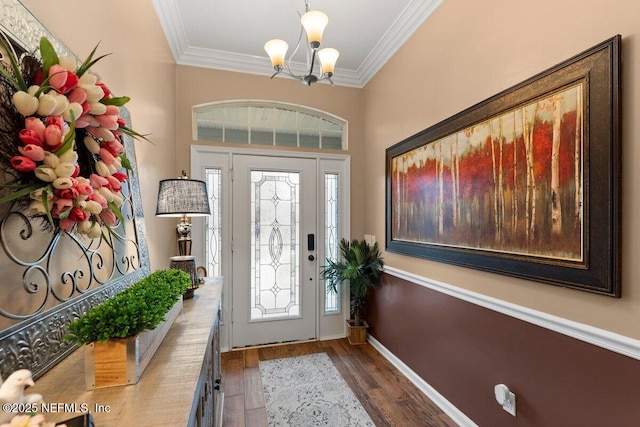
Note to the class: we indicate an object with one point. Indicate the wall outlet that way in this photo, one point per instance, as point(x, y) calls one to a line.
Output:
point(370, 239)
point(505, 398)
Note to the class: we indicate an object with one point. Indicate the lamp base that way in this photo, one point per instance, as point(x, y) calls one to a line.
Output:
point(188, 265)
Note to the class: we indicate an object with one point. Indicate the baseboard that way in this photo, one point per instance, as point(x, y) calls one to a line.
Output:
point(608, 340)
point(447, 407)
point(332, 337)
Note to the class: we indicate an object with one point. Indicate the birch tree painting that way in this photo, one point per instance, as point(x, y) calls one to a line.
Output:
point(511, 184)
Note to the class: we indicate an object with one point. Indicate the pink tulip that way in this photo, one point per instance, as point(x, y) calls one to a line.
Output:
point(99, 198)
point(109, 122)
point(114, 183)
point(113, 110)
point(60, 206)
point(84, 188)
point(55, 121)
point(66, 224)
point(68, 193)
point(22, 164)
point(97, 181)
point(77, 95)
point(36, 125)
point(62, 80)
point(29, 137)
point(53, 135)
point(106, 156)
point(32, 151)
point(115, 146)
point(82, 122)
point(86, 107)
point(109, 217)
point(93, 131)
point(57, 77)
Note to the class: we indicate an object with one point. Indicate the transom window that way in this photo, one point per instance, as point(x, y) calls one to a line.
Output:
point(268, 123)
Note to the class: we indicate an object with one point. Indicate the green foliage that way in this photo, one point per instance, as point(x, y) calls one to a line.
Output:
point(141, 306)
point(361, 265)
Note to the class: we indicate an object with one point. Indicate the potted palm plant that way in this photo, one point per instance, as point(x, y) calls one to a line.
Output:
point(361, 265)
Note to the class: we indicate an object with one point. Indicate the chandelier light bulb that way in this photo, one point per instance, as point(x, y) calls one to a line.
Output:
point(314, 23)
point(328, 57)
point(277, 50)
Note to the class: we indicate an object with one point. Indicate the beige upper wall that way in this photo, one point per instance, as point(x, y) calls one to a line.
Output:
point(140, 65)
point(199, 86)
point(468, 51)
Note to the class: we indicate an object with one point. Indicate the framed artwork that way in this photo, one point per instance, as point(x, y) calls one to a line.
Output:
point(525, 183)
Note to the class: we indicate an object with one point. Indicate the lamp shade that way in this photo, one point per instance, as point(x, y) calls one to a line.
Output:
point(314, 23)
point(328, 57)
point(182, 196)
point(277, 50)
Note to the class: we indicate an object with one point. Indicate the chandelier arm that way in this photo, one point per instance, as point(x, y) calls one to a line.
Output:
point(295, 51)
point(325, 77)
point(283, 71)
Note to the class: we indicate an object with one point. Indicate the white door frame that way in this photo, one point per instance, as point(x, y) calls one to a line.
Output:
point(328, 326)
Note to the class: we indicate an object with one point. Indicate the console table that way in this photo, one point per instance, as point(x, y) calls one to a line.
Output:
point(179, 387)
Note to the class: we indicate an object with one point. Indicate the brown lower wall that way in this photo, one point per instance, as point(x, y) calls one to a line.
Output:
point(463, 350)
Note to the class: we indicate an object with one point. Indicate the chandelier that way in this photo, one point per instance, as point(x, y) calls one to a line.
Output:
point(313, 23)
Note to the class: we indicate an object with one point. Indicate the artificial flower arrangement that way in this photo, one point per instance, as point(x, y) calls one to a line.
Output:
point(61, 141)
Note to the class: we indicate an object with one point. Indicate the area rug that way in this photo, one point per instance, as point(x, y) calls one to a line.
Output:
point(309, 391)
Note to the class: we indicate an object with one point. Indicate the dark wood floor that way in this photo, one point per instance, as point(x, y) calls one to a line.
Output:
point(389, 397)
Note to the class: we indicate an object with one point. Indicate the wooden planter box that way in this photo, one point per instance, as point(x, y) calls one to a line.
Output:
point(121, 361)
point(357, 334)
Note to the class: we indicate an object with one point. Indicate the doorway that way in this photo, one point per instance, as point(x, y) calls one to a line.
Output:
point(277, 224)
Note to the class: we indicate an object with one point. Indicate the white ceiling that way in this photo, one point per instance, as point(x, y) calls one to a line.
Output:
point(230, 34)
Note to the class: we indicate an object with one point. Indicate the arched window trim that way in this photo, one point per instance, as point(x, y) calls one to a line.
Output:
point(249, 103)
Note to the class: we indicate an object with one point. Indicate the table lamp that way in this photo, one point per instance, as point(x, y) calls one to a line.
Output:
point(183, 197)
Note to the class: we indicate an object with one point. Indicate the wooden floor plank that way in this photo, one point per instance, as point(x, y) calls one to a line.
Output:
point(233, 376)
point(387, 395)
point(233, 412)
point(253, 397)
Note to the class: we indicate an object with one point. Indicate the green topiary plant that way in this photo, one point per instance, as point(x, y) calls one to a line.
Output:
point(142, 306)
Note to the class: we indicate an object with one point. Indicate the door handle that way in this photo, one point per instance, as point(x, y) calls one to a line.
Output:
point(311, 242)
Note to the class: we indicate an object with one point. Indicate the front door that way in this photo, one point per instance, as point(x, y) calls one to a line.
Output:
point(274, 289)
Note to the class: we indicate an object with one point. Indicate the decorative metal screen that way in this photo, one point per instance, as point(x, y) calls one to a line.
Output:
point(48, 279)
point(275, 245)
point(331, 186)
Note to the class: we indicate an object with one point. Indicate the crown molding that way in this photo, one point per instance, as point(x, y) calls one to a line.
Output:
point(411, 18)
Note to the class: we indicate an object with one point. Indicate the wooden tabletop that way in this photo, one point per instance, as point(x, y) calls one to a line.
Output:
point(165, 393)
